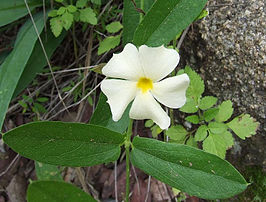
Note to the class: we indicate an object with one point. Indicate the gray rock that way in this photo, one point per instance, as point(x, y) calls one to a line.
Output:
point(228, 48)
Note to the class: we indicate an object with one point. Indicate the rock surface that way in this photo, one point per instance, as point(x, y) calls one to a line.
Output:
point(228, 48)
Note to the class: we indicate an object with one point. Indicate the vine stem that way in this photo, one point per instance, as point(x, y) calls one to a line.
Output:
point(127, 145)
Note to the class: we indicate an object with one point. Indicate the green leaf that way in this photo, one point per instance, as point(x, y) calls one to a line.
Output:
point(38, 108)
point(225, 111)
point(52, 13)
point(188, 169)
point(131, 18)
point(190, 106)
point(203, 14)
point(81, 3)
point(37, 60)
point(42, 99)
point(106, 120)
point(13, 66)
point(47, 172)
point(149, 123)
point(108, 43)
point(207, 102)
point(196, 85)
point(12, 10)
point(114, 27)
point(193, 119)
point(201, 133)
point(165, 20)
point(67, 20)
point(218, 143)
point(155, 131)
point(56, 191)
point(87, 15)
point(71, 8)
point(61, 10)
point(217, 128)
point(177, 132)
point(210, 114)
point(244, 126)
point(66, 144)
point(97, 2)
point(191, 142)
point(56, 25)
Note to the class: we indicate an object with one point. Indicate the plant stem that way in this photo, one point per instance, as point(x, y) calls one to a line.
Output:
point(127, 145)
point(142, 8)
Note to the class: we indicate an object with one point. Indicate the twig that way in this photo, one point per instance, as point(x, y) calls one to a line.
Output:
point(136, 178)
point(138, 9)
point(81, 179)
point(182, 38)
point(45, 54)
point(116, 195)
point(148, 189)
point(10, 165)
point(77, 103)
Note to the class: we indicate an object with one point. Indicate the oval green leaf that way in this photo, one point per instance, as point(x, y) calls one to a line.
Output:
point(66, 144)
point(55, 191)
point(165, 20)
point(188, 169)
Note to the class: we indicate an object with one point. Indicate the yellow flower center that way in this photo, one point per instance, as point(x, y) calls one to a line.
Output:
point(145, 84)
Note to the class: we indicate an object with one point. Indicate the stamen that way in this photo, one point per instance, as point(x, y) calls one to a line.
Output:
point(145, 84)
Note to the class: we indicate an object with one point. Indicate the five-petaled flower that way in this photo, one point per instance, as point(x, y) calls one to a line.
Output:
point(139, 74)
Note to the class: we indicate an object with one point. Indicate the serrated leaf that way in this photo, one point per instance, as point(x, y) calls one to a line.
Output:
point(177, 132)
point(210, 114)
point(52, 13)
point(244, 126)
point(173, 16)
point(88, 15)
point(201, 133)
point(47, 172)
point(81, 3)
point(177, 164)
point(218, 143)
point(207, 102)
point(196, 85)
point(192, 119)
point(66, 144)
point(56, 191)
point(114, 27)
point(108, 43)
point(56, 26)
point(61, 10)
point(71, 8)
point(190, 106)
point(217, 128)
point(67, 20)
point(225, 111)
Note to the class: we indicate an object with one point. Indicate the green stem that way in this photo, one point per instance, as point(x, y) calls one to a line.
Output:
point(142, 8)
point(127, 145)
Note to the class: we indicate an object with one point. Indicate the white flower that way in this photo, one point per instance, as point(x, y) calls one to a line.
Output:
point(142, 71)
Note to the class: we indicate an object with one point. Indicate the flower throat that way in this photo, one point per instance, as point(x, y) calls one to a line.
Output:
point(145, 84)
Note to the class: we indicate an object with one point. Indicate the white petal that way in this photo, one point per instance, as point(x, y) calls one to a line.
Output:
point(125, 65)
point(145, 107)
point(171, 91)
point(119, 93)
point(157, 62)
